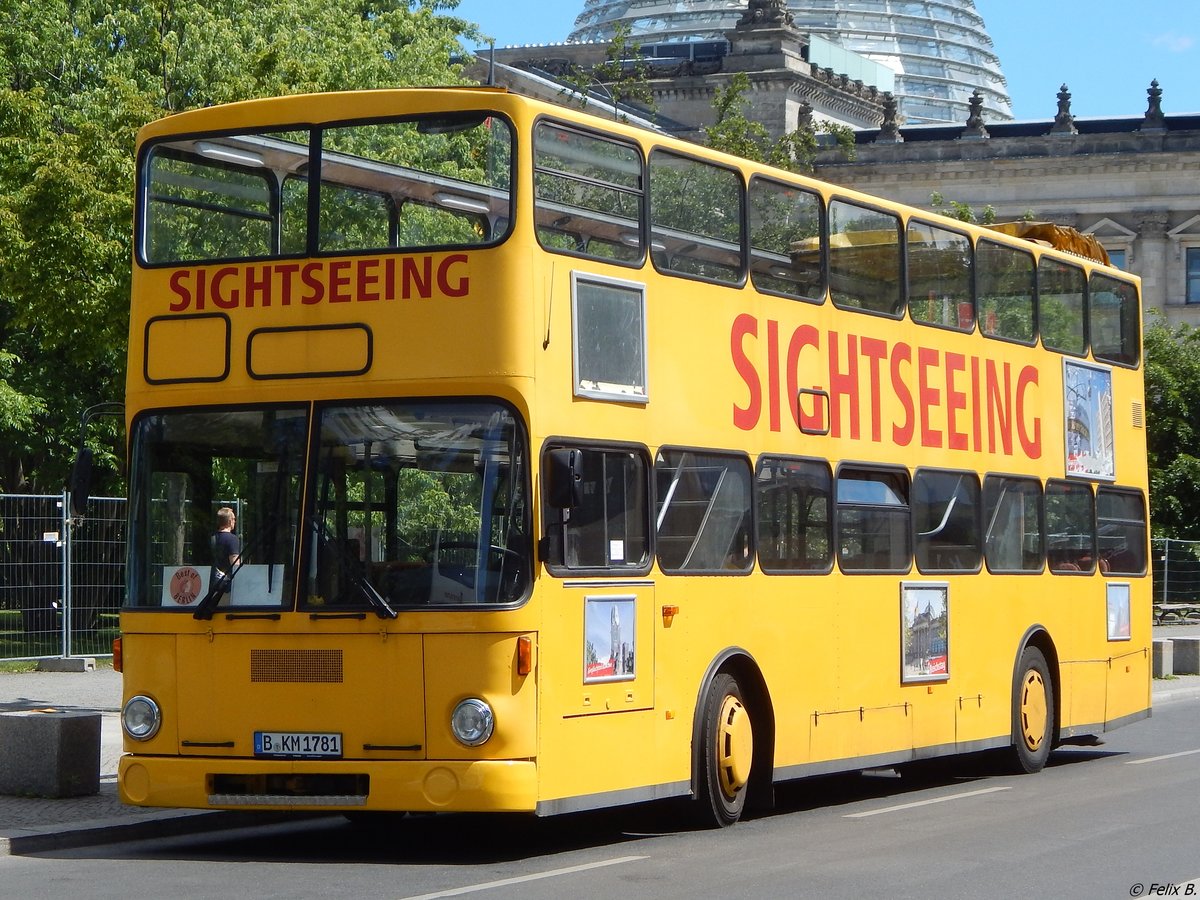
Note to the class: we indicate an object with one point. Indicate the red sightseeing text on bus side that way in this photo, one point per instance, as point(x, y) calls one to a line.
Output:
point(938, 398)
point(321, 281)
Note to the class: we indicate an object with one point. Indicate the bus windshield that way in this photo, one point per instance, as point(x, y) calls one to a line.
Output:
point(433, 181)
point(411, 504)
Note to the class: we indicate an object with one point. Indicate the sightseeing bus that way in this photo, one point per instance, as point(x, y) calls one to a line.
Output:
point(573, 466)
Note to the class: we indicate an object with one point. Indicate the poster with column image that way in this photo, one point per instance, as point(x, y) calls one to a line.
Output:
point(1088, 404)
point(609, 649)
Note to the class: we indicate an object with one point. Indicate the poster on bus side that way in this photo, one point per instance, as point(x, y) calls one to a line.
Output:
point(609, 649)
point(1088, 407)
point(924, 632)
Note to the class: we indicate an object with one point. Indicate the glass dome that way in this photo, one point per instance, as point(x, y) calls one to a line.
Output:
point(939, 49)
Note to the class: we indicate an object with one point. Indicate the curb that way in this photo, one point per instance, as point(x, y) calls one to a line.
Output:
point(1166, 695)
point(164, 823)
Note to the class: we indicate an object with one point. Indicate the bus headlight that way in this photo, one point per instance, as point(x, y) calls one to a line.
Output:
point(141, 718)
point(472, 722)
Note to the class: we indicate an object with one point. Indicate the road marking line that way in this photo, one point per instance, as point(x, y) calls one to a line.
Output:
point(903, 806)
point(521, 879)
point(1150, 759)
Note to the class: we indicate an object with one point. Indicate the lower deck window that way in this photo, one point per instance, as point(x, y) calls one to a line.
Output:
point(873, 520)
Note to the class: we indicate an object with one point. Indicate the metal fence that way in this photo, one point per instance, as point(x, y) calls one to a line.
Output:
point(1176, 570)
point(62, 581)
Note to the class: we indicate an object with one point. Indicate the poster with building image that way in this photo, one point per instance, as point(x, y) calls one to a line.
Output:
point(608, 649)
point(1088, 405)
point(924, 632)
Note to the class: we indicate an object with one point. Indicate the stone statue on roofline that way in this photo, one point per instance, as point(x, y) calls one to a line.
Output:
point(766, 12)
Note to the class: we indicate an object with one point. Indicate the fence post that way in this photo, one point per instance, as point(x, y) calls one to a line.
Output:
point(66, 573)
point(1166, 567)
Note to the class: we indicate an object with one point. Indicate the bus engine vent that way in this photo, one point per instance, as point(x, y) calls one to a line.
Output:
point(297, 666)
point(1137, 414)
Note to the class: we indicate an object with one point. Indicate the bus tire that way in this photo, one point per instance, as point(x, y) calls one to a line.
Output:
point(725, 753)
point(1033, 712)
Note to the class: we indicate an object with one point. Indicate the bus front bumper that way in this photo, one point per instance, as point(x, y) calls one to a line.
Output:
point(334, 785)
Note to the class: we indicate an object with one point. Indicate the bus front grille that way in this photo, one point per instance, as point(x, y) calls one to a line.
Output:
point(299, 666)
point(295, 789)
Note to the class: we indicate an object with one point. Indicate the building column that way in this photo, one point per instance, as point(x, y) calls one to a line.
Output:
point(1152, 262)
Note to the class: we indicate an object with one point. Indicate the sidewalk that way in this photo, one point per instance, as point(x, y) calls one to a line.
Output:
point(31, 825)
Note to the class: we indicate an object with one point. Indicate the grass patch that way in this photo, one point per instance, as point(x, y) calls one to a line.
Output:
point(19, 665)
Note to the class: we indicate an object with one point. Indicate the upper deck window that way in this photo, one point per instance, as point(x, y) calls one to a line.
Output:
point(589, 194)
point(864, 259)
point(1005, 289)
point(940, 264)
point(1114, 320)
point(1061, 306)
point(695, 218)
point(435, 181)
point(785, 240)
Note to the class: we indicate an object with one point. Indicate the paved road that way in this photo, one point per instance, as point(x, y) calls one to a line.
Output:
point(1109, 821)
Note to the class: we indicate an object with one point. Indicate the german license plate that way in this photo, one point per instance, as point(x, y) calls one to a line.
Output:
point(298, 744)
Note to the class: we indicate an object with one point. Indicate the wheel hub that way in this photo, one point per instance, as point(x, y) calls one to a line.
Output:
point(1033, 710)
point(735, 746)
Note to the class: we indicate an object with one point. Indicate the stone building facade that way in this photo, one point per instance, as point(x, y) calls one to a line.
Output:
point(785, 87)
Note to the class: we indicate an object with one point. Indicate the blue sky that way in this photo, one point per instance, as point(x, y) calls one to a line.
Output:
point(1105, 51)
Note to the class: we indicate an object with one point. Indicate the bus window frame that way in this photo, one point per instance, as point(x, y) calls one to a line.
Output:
point(822, 237)
point(1065, 264)
point(643, 205)
point(1136, 321)
point(977, 522)
point(900, 310)
point(1067, 565)
point(1041, 525)
point(742, 219)
point(748, 511)
point(313, 176)
point(1144, 522)
point(839, 505)
point(771, 568)
point(551, 548)
point(610, 394)
point(971, 285)
point(1032, 257)
point(144, 197)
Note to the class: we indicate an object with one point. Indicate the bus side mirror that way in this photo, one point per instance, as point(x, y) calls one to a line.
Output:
point(565, 478)
point(81, 482)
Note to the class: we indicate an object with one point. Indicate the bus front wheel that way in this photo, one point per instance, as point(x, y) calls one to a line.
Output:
point(1033, 712)
point(726, 752)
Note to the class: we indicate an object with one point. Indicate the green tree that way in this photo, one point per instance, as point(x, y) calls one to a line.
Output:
point(622, 76)
point(77, 79)
point(1173, 414)
point(733, 132)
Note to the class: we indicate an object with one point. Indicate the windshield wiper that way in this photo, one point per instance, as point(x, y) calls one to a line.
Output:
point(383, 609)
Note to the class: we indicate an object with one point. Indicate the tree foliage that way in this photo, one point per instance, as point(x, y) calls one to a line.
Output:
point(77, 79)
point(733, 132)
point(622, 76)
point(1173, 416)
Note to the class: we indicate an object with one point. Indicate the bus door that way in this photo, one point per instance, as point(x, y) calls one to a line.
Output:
point(598, 539)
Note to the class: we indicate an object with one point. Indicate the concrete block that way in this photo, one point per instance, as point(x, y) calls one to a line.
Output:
point(50, 753)
point(1164, 658)
point(67, 664)
point(1187, 655)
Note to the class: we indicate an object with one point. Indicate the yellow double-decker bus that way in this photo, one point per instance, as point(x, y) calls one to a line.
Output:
point(569, 465)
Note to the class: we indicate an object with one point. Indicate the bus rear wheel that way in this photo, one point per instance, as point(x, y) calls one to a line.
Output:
point(726, 752)
point(1033, 712)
